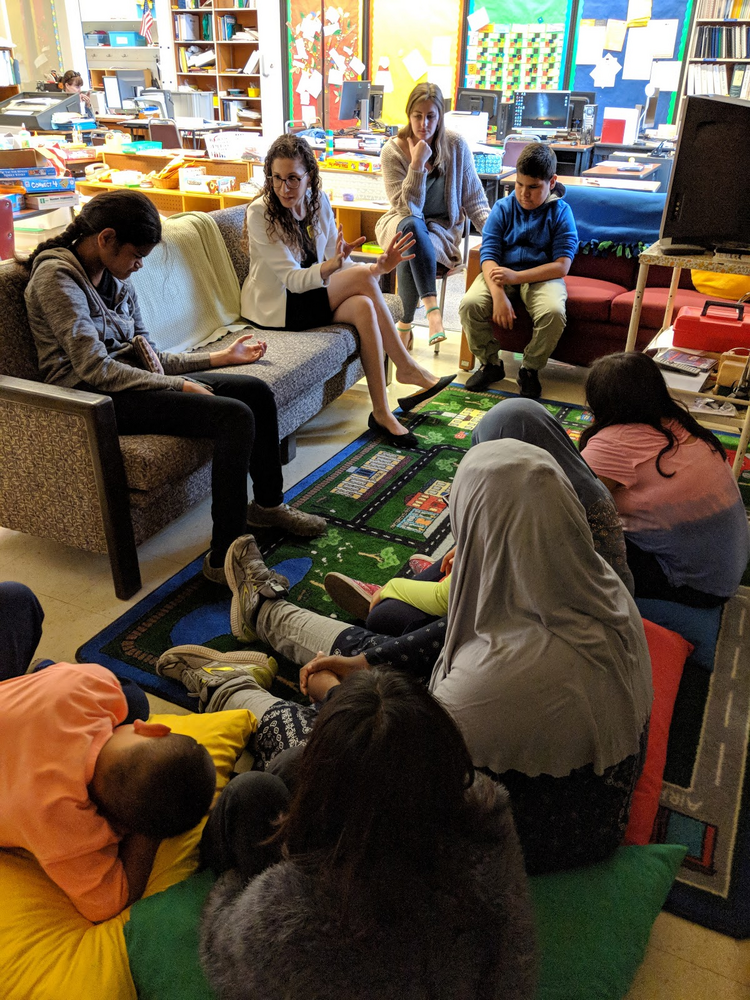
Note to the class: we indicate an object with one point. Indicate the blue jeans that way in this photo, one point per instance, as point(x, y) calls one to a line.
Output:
point(416, 277)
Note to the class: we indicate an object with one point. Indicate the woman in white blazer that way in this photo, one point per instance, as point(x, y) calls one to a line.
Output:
point(301, 277)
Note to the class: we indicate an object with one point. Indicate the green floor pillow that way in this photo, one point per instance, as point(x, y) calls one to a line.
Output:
point(593, 927)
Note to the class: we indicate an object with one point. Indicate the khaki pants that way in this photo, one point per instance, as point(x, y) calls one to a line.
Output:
point(545, 301)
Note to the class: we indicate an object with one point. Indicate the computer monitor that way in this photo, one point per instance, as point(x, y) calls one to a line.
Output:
point(542, 112)
point(469, 99)
point(377, 92)
point(163, 98)
point(112, 93)
point(131, 82)
point(353, 92)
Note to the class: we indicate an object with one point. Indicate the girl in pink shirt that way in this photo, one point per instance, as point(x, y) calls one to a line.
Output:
point(685, 525)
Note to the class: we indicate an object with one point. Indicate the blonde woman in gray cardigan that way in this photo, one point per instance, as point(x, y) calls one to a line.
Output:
point(432, 185)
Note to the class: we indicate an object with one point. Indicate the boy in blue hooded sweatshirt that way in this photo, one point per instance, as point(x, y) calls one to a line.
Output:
point(528, 244)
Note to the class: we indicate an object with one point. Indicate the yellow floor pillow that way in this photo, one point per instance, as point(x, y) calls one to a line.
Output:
point(721, 286)
point(48, 951)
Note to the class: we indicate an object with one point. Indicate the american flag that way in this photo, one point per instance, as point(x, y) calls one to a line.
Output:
point(147, 22)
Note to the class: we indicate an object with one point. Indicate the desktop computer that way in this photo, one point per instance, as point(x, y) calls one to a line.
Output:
point(541, 112)
point(588, 123)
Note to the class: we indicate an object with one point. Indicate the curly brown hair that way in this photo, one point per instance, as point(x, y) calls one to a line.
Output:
point(280, 223)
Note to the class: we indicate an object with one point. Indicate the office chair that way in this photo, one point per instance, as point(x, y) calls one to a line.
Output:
point(443, 272)
point(512, 148)
point(165, 131)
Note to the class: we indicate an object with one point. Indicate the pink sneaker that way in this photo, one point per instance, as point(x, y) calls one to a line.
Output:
point(352, 596)
point(418, 564)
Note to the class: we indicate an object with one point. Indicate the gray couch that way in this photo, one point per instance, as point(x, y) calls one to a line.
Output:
point(64, 472)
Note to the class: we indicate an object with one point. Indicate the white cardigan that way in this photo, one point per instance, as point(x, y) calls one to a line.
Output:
point(274, 268)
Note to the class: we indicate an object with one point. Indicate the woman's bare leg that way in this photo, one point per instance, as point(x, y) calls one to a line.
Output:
point(354, 281)
point(359, 311)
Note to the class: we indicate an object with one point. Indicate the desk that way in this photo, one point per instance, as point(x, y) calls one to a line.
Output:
point(603, 150)
point(358, 218)
point(602, 182)
point(572, 158)
point(634, 171)
point(655, 255)
point(495, 178)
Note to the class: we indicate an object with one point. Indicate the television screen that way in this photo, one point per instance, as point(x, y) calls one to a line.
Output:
point(543, 110)
point(706, 204)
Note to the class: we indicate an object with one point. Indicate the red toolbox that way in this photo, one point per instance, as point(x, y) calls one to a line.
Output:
point(718, 327)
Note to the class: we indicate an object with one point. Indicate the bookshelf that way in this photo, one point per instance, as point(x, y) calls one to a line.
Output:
point(217, 49)
point(718, 60)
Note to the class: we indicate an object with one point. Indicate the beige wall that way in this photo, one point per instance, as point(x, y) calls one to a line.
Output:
point(397, 28)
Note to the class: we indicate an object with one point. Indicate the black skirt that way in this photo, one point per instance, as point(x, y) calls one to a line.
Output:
point(307, 310)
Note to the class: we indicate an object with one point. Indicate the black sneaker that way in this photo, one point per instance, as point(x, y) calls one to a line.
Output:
point(528, 381)
point(485, 376)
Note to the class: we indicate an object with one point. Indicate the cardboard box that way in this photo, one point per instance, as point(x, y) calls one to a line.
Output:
point(195, 179)
point(16, 200)
point(13, 172)
point(63, 200)
point(21, 158)
point(367, 165)
point(46, 184)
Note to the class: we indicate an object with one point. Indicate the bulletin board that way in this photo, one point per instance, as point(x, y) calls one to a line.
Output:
point(665, 70)
point(325, 49)
point(413, 43)
point(514, 47)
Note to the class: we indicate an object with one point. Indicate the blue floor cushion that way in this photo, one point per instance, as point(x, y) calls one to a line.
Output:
point(700, 626)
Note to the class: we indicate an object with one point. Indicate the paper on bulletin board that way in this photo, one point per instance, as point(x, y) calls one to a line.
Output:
point(335, 77)
point(299, 49)
point(333, 15)
point(666, 75)
point(638, 58)
point(309, 113)
point(605, 72)
point(357, 65)
point(590, 43)
point(310, 27)
point(662, 37)
point(304, 99)
point(331, 29)
point(316, 83)
point(383, 76)
point(303, 87)
point(442, 76)
point(639, 13)
point(478, 19)
point(442, 48)
point(415, 63)
point(614, 37)
point(337, 59)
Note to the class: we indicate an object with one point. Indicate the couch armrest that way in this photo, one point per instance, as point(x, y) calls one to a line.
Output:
point(62, 475)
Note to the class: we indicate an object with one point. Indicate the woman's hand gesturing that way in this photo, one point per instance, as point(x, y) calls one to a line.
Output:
point(343, 251)
point(394, 254)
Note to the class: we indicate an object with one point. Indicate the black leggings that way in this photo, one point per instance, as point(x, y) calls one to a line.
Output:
point(240, 418)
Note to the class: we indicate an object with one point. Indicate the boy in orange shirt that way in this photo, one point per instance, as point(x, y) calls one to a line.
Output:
point(91, 799)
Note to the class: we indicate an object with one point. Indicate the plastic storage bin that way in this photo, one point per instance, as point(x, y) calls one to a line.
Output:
point(121, 38)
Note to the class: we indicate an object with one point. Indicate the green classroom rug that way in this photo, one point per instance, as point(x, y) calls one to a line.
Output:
point(383, 506)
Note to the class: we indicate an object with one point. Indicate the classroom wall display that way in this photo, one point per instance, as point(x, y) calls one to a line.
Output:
point(325, 49)
point(627, 45)
point(410, 44)
point(513, 46)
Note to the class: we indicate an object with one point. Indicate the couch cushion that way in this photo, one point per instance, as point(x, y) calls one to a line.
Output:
point(231, 223)
point(153, 460)
point(590, 299)
point(654, 301)
point(296, 360)
point(606, 267)
point(17, 352)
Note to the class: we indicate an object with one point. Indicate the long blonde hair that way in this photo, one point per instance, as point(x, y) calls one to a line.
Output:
point(428, 92)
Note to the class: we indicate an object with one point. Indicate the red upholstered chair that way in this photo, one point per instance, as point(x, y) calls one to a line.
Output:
point(7, 235)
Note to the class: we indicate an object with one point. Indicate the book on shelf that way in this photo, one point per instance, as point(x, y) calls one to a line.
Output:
point(723, 10)
point(251, 66)
point(714, 41)
point(186, 27)
point(739, 85)
point(227, 24)
point(708, 78)
point(207, 28)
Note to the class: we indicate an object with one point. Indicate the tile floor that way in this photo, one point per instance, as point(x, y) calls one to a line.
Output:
point(684, 961)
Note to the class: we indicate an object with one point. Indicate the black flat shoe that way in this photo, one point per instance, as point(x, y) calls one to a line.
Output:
point(409, 402)
point(397, 440)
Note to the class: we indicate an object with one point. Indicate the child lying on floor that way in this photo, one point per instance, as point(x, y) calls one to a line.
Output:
point(91, 799)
